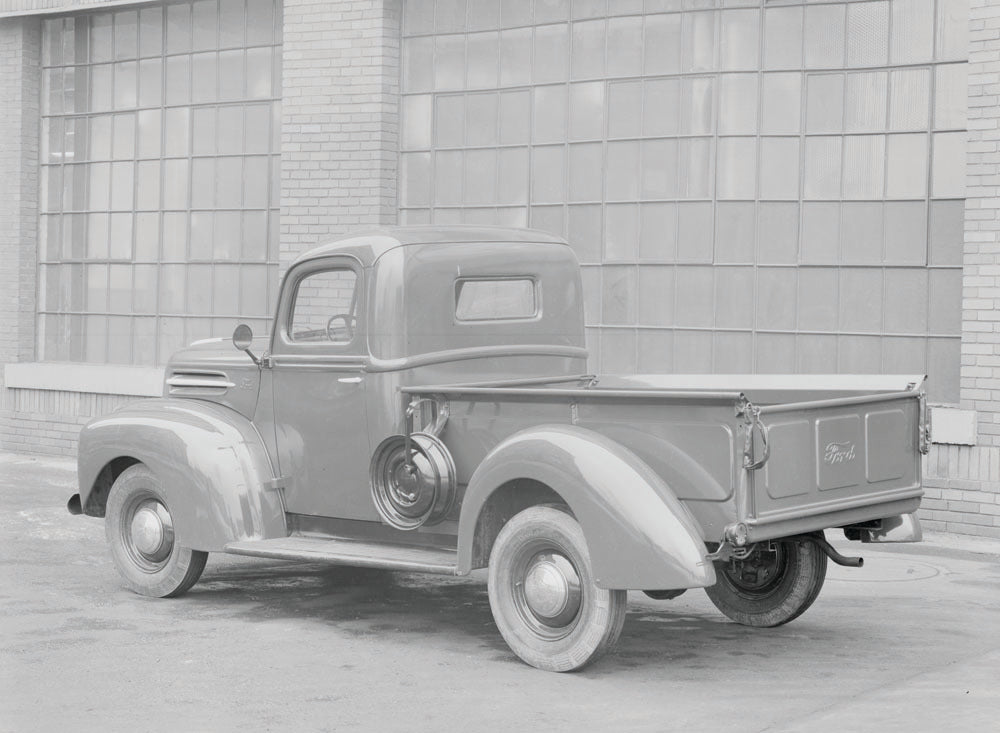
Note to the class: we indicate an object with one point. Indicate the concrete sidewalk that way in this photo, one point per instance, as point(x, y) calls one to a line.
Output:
point(910, 642)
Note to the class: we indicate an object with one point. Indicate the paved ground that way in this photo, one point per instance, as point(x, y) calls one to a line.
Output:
point(911, 642)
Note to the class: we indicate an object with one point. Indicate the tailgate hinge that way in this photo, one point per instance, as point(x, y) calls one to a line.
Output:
point(751, 417)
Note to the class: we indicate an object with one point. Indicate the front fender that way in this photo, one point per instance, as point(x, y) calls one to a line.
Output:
point(210, 460)
point(640, 536)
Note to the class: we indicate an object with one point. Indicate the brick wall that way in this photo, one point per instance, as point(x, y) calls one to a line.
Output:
point(963, 482)
point(340, 119)
point(20, 47)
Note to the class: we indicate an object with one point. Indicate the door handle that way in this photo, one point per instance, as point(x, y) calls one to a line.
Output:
point(350, 380)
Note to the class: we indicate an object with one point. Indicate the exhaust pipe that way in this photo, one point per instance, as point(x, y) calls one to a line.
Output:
point(849, 562)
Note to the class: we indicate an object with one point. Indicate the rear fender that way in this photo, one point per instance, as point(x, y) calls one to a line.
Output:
point(640, 536)
point(210, 461)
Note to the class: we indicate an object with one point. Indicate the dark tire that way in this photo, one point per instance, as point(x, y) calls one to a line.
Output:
point(772, 586)
point(543, 596)
point(140, 532)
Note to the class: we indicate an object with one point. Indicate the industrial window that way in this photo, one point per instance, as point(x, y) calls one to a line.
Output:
point(495, 300)
point(159, 177)
point(776, 187)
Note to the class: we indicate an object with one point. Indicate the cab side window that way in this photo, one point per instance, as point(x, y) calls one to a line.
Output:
point(325, 308)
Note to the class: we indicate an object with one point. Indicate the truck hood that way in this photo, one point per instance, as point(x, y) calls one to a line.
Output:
point(214, 371)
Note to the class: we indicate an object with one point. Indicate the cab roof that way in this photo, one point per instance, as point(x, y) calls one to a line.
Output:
point(368, 246)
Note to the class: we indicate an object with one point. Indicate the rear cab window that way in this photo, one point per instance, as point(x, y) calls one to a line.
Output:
point(495, 299)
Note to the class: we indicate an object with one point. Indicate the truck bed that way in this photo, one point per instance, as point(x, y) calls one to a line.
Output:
point(839, 449)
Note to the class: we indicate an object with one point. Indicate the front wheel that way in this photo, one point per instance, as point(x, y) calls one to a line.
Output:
point(140, 531)
point(543, 596)
point(774, 584)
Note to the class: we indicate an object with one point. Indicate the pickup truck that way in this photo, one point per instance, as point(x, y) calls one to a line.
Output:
point(423, 404)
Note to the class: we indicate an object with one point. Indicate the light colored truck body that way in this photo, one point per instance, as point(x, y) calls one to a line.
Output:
point(447, 394)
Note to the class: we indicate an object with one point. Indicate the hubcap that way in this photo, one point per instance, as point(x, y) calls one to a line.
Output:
point(552, 589)
point(151, 531)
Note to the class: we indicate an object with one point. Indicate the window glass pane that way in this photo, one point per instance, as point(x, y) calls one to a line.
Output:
point(175, 184)
point(584, 171)
point(740, 39)
point(783, 38)
point(698, 41)
point(822, 167)
point(100, 37)
point(736, 168)
point(867, 33)
point(253, 241)
point(861, 233)
point(906, 175)
point(480, 177)
point(101, 84)
point(515, 117)
point(548, 175)
point(178, 79)
point(586, 112)
point(950, 96)
point(257, 129)
point(178, 28)
point(738, 104)
point(824, 103)
point(551, 53)
point(864, 163)
point(231, 77)
point(124, 137)
point(661, 51)
point(491, 300)
point(150, 82)
point(660, 107)
point(205, 24)
point(906, 232)
point(100, 137)
point(549, 114)
point(824, 36)
point(912, 31)
point(659, 169)
point(908, 101)
point(624, 46)
point(325, 308)
point(622, 171)
point(230, 130)
point(148, 185)
point(780, 103)
point(150, 31)
point(122, 184)
point(947, 232)
point(865, 101)
point(203, 66)
point(97, 236)
point(694, 231)
point(778, 233)
point(625, 109)
point(779, 168)
point(449, 62)
point(697, 100)
point(259, 65)
point(177, 124)
point(952, 43)
point(149, 133)
point(417, 63)
point(588, 49)
point(948, 165)
point(126, 34)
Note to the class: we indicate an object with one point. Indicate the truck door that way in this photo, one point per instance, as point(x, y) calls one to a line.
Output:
point(318, 358)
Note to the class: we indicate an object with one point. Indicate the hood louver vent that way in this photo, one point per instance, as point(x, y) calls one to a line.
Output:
point(198, 382)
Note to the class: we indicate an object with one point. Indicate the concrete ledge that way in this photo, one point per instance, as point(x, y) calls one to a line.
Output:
point(94, 378)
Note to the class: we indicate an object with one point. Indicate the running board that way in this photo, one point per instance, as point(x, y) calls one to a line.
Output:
point(350, 552)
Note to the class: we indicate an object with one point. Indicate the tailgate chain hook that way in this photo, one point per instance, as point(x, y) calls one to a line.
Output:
point(751, 415)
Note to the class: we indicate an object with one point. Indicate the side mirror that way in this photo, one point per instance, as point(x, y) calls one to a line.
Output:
point(242, 339)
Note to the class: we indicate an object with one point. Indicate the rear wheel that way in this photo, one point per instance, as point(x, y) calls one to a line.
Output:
point(543, 595)
point(140, 532)
point(776, 583)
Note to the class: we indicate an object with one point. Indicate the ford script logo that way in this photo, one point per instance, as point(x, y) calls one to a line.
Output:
point(839, 453)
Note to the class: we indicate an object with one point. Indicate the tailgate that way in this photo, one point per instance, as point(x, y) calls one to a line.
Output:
point(836, 462)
